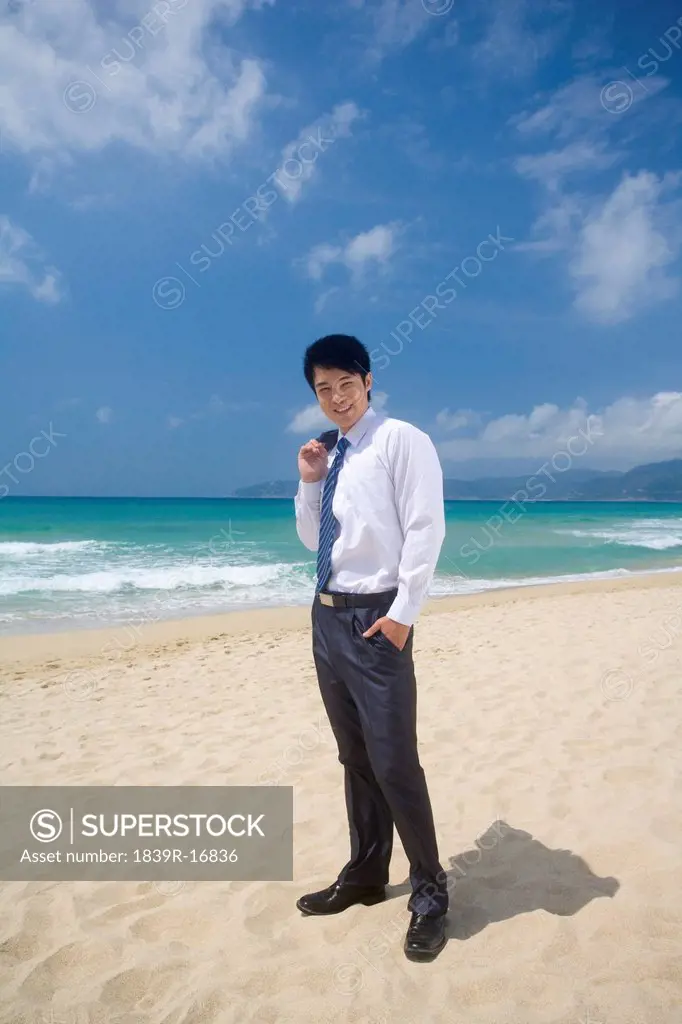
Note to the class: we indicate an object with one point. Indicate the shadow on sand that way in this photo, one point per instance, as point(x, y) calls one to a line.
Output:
point(508, 872)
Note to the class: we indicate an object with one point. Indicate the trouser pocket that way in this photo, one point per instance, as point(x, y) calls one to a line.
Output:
point(363, 618)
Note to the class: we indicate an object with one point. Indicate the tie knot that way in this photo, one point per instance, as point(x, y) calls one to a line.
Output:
point(342, 445)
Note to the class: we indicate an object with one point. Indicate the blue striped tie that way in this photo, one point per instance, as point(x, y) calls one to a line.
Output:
point(328, 521)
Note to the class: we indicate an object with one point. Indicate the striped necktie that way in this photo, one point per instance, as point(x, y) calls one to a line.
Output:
point(328, 521)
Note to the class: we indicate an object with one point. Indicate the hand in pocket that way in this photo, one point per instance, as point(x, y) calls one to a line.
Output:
point(395, 632)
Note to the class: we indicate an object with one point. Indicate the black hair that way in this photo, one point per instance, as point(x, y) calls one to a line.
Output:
point(336, 352)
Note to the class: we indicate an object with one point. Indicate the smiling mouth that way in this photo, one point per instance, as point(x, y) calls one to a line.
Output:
point(345, 409)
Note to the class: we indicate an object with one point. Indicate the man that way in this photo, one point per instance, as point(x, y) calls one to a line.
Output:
point(372, 508)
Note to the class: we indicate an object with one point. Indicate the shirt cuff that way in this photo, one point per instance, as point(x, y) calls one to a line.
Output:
point(404, 611)
point(311, 492)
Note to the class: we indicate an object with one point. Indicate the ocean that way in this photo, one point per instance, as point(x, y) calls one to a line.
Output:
point(90, 562)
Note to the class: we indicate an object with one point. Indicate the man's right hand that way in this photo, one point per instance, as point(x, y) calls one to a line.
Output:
point(312, 461)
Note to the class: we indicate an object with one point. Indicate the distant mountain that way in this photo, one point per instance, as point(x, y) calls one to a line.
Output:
point(272, 489)
point(656, 481)
point(548, 485)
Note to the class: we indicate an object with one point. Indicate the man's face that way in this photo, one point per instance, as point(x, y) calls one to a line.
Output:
point(342, 395)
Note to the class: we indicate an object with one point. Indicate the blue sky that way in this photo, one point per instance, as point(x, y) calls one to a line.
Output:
point(518, 161)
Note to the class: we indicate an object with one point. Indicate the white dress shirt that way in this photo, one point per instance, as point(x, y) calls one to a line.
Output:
point(389, 504)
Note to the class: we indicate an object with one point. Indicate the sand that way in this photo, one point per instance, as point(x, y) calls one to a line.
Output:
point(551, 736)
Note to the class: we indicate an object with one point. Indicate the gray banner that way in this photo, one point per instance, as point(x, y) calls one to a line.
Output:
point(146, 833)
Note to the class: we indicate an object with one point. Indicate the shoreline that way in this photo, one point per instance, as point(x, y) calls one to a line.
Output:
point(22, 649)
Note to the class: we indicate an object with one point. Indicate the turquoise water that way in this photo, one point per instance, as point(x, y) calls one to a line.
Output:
point(82, 562)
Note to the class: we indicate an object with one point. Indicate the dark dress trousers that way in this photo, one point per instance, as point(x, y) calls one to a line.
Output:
point(368, 687)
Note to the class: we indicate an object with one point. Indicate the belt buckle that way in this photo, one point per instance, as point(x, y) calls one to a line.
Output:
point(326, 599)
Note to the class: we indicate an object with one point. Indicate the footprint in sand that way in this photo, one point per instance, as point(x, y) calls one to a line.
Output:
point(137, 906)
point(72, 966)
point(144, 988)
point(628, 775)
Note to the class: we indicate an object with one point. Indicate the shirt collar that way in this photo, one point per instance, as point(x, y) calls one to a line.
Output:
point(359, 429)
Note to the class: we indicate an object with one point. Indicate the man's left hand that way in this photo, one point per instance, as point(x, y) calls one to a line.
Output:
point(396, 632)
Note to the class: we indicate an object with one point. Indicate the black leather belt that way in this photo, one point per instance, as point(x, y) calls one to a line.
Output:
point(356, 600)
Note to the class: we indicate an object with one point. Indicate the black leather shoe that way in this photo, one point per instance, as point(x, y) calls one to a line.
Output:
point(339, 897)
point(425, 937)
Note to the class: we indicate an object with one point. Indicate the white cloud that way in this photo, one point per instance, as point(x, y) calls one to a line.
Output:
point(566, 111)
point(215, 408)
point(551, 168)
point(322, 299)
point(104, 414)
point(620, 245)
point(311, 419)
point(597, 45)
point(574, 116)
point(630, 429)
point(398, 23)
point(514, 42)
point(77, 76)
point(456, 420)
point(335, 125)
point(91, 201)
point(369, 248)
point(22, 263)
point(625, 247)
point(393, 24)
point(319, 258)
point(576, 110)
point(557, 227)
